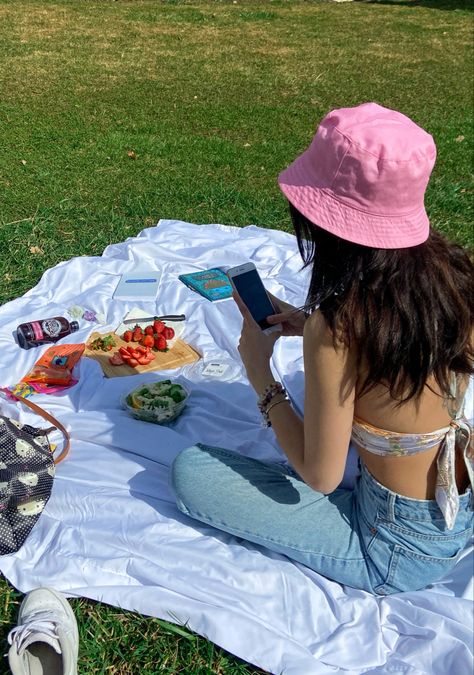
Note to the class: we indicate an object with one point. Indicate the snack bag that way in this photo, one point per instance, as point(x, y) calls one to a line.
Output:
point(53, 370)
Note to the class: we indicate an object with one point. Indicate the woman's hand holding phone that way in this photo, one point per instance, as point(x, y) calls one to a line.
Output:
point(290, 318)
point(261, 327)
point(255, 348)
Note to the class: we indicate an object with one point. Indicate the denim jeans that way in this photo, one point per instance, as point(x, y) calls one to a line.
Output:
point(368, 538)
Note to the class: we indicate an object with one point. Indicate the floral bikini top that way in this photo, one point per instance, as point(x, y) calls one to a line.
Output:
point(457, 437)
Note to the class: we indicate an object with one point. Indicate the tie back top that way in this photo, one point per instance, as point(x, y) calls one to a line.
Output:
point(456, 437)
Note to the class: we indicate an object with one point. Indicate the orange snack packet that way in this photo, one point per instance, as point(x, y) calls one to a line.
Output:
point(55, 366)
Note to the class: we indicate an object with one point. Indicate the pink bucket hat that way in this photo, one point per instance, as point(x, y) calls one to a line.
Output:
point(363, 178)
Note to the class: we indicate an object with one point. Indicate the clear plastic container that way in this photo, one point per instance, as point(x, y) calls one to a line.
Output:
point(148, 408)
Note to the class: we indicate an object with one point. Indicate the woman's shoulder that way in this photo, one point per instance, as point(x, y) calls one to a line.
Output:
point(327, 359)
point(317, 329)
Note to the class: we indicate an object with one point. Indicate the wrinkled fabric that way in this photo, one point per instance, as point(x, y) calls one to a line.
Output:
point(111, 530)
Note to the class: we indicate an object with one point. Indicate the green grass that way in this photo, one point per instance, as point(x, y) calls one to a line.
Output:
point(214, 99)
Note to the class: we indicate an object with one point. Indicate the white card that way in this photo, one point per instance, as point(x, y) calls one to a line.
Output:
point(215, 369)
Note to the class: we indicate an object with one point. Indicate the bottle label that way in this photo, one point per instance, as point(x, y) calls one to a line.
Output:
point(37, 330)
point(51, 327)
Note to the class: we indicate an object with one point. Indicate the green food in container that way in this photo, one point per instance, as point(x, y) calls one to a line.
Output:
point(158, 402)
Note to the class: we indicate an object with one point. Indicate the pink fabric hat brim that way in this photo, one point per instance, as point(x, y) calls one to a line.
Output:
point(323, 209)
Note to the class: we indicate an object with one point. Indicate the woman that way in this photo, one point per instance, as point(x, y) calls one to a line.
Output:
point(388, 350)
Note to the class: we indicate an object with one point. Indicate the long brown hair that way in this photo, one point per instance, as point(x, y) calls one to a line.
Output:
point(408, 312)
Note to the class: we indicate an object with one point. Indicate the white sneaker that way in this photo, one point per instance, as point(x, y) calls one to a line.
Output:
point(46, 639)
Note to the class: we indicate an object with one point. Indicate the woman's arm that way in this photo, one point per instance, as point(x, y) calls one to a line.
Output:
point(330, 381)
point(317, 448)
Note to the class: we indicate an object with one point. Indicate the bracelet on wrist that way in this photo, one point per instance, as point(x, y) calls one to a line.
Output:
point(271, 390)
point(265, 403)
point(272, 405)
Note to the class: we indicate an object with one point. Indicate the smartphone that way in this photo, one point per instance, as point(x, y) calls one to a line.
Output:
point(249, 286)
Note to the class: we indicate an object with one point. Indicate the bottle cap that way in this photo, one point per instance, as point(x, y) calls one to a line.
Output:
point(22, 341)
point(74, 326)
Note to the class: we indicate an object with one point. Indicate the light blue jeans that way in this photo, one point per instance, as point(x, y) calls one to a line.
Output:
point(369, 538)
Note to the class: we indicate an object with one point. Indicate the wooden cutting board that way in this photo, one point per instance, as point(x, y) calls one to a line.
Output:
point(179, 354)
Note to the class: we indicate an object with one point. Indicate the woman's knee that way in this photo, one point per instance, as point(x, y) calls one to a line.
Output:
point(183, 472)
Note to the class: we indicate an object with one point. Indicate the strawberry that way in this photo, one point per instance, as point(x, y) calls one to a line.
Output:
point(168, 333)
point(158, 326)
point(160, 343)
point(143, 361)
point(127, 336)
point(147, 341)
point(137, 336)
point(133, 362)
point(149, 330)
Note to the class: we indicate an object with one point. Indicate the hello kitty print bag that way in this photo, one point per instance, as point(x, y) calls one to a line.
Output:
point(27, 469)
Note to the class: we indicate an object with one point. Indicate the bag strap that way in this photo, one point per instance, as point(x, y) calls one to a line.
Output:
point(46, 415)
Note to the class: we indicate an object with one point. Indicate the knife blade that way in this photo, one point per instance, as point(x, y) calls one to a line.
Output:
point(165, 317)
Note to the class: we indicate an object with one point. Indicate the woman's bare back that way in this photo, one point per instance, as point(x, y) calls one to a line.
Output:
point(412, 475)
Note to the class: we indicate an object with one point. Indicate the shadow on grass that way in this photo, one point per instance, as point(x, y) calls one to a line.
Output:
point(432, 4)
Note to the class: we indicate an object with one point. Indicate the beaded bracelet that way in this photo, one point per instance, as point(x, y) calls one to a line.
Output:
point(272, 405)
point(272, 390)
point(266, 422)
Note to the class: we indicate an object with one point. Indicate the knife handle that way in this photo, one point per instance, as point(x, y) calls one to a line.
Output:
point(165, 317)
point(171, 317)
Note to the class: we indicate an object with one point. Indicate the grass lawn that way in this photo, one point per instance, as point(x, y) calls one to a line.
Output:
point(116, 114)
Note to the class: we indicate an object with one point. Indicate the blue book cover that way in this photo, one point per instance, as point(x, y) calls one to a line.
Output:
point(212, 284)
point(140, 285)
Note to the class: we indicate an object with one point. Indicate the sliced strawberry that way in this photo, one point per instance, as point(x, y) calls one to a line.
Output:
point(133, 362)
point(143, 361)
point(123, 350)
point(140, 349)
point(130, 349)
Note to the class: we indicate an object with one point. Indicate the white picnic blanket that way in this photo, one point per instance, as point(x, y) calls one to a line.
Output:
point(111, 530)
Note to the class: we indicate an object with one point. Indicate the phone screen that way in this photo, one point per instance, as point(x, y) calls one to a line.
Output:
point(250, 288)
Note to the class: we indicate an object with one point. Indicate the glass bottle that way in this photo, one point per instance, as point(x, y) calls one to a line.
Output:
point(39, 332)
